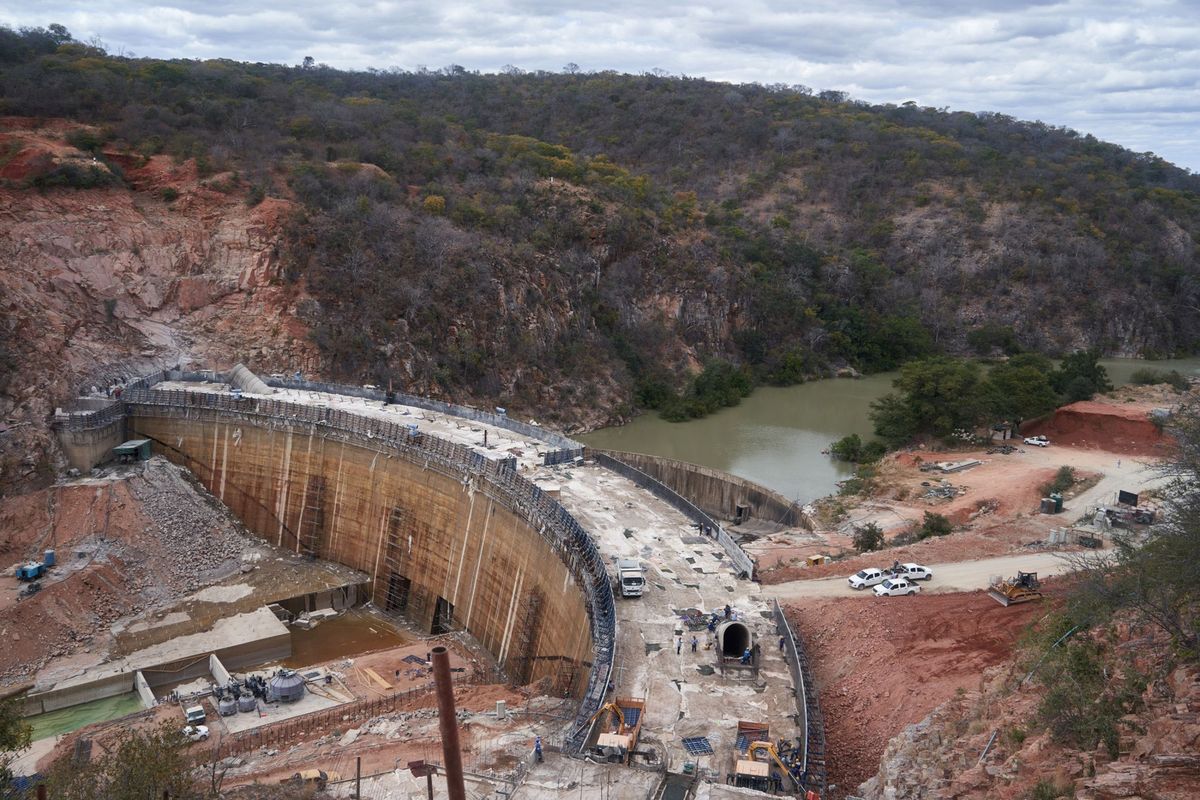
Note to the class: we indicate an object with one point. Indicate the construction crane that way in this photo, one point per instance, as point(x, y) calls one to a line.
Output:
point(1022, 589)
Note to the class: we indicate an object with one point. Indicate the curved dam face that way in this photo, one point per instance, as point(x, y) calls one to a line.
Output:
point(443, 547)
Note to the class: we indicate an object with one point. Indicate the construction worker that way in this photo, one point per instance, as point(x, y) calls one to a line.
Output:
point(781, 644)
point(712, 624)
point(695, 642)
point(537, 748)
point(746, 656)
point(728, 612)
point(678, 645)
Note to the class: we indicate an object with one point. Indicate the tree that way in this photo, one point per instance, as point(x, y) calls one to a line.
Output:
point(14, 737)
point(868, 537)
point(1020, 388)
point(851, 448)
point(1081, 377)
point(990, 336)
point(142, 765)
point(936, 396)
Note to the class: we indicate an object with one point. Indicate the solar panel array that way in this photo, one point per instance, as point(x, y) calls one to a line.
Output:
point(698, 746)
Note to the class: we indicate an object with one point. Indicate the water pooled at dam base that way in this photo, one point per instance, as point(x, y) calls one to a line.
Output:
point(345, 636)
point(66, 720)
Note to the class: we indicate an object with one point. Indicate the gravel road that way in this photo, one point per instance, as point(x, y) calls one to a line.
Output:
point(961, 576)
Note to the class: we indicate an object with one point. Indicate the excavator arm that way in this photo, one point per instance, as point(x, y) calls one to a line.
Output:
point(773, 755)
point(613, 709)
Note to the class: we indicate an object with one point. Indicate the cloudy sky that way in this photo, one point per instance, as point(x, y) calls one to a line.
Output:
point(1127, 71)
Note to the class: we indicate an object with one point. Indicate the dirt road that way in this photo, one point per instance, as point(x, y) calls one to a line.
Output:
point(962, 576)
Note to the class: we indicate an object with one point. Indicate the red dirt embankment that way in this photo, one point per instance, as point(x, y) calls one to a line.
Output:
point(881, 664)
point(1125, 428)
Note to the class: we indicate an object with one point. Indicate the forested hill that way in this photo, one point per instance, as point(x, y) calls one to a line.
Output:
point(584, 242)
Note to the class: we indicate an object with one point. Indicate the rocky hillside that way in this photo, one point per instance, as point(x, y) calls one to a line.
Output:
point(573, 246)
point(113, 280)
point(943, 756)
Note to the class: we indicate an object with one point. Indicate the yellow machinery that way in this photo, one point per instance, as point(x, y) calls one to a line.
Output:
point(1021, 589)
point(768, 751)
point(617, 740)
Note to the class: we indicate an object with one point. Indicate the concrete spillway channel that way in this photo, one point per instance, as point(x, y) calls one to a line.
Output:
point(449, 547)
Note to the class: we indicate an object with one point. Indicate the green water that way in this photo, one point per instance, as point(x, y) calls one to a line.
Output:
point(70, 719)
point(776, 435)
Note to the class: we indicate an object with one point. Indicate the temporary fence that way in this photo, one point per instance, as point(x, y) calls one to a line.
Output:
point(553, 522)
point(289, 731)
point(743, 564)
point(808, 707)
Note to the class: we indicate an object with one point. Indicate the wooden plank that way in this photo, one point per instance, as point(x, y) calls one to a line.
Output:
point(375, 677)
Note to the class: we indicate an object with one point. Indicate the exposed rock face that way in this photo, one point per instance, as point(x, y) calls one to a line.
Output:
point(939, 757)
point(98, 283)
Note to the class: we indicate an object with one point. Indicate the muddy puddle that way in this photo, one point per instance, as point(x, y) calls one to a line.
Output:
point(345, 636)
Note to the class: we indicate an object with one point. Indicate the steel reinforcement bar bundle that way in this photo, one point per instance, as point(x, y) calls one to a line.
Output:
point(553, 522)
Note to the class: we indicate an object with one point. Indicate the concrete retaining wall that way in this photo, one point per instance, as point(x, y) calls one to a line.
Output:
point(53, 700)
point(218, 671)
point(717, 493)
point(88, 447)
point(144, 691)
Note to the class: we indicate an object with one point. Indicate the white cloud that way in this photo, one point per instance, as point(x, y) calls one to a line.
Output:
point(1127, 71)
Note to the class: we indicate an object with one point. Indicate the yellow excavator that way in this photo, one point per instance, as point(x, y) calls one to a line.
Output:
point(771, 754)
point(1022, 589)
point(617, 741)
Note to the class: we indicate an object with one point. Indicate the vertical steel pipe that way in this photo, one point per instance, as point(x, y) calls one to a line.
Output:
point(448, 722)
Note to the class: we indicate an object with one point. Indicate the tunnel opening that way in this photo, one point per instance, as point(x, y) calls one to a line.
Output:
point(733, 639)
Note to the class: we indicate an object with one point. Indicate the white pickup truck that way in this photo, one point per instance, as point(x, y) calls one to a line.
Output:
point(866, 577)
point(894, 587)
point(912, 572)
point(1037, 441)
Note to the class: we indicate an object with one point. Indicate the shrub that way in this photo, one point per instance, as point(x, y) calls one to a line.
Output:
point(1064, 479)
point(851, 448)
point(169, 194)
point(1049, 790)
point(934, 525)
point(868, 537)
point(1151, 377)
point(87, 140)
point(435, 204)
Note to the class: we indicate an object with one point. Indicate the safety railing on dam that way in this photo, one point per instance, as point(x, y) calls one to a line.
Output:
point(742, 562)
point(808, 708)
point(544, 514)
point(567, 449)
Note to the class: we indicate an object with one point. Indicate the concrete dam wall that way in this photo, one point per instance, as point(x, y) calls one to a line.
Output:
point(449, 543)
point(717, 493)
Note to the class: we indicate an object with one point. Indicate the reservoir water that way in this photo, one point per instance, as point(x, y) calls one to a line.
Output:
point(776, 435)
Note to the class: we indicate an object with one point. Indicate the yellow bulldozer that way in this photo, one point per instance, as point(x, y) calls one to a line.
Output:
point(1022, 589)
